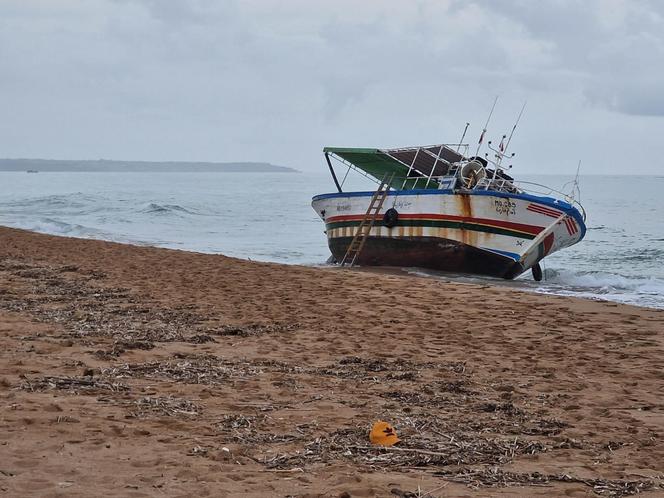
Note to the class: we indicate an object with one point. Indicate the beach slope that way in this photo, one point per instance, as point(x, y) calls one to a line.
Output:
point(136, 371)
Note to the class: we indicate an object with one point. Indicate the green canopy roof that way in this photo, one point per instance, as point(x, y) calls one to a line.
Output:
point(412, 167)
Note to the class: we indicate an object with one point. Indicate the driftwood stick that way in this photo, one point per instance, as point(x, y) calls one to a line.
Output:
point(296, 469)
point(404, 450)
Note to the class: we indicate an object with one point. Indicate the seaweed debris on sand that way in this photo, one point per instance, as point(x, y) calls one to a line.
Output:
point(139, 370)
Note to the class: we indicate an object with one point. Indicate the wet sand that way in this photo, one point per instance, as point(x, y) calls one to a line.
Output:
point(135, 371)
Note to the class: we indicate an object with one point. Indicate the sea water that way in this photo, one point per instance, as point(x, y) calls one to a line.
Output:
point(268, 217)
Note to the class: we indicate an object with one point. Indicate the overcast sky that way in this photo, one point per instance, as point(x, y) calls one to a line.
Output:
point(276, 80)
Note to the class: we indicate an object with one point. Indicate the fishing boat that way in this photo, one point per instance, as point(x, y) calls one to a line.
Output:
point(441, 208)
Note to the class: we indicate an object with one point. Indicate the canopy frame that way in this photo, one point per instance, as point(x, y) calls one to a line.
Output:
point(409, 166)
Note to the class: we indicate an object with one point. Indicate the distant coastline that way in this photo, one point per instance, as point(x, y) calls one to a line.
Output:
point(104, 165)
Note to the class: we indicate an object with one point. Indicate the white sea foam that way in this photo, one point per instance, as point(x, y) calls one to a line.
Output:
point(644, 291)
point(56, 227)
point(641, 291)
point(603, 282)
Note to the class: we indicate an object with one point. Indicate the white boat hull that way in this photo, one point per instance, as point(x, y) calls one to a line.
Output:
point(484, 232)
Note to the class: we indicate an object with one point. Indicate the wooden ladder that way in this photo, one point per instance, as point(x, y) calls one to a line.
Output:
point(367, 223)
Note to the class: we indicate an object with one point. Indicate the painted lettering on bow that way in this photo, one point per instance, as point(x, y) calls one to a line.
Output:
point(504, 206)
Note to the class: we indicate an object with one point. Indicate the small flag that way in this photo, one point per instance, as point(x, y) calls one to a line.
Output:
point(482, 136)
point(502, 144)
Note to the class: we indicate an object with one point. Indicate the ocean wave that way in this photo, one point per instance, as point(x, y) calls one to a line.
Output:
point(604, 282)
point(641, 291)
point(76, 199)
point(644, 254)
point(53, 226)
point(75, 204)
point(154, 208)
point(58, 227)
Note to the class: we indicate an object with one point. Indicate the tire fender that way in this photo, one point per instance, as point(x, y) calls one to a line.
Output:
point(390, 218)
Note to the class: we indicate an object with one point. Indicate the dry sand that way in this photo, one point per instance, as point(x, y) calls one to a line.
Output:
point(134, 371)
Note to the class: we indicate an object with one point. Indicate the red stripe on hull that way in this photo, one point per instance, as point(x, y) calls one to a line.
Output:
point(571, 226)
point(542, 210)
point(531, 229)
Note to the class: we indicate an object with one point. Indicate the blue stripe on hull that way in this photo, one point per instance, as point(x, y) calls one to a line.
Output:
point(511, 255)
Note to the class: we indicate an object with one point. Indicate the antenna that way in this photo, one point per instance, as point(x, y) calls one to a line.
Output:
point(499, 155)
point(575, 190)
point(486, 125)
point(578, 168)
point(514, 127)
point(463, 136)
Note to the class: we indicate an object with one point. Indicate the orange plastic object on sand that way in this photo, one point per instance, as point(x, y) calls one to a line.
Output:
point(383, 434)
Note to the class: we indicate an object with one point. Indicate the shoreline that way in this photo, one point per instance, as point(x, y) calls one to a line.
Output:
point(516, 284)
point(133, 370)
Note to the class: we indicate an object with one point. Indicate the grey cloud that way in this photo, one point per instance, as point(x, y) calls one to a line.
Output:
point(612, 48)
point(178, 13)
point(276, 80)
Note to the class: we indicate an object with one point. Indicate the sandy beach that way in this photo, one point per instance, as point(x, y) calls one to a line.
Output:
point(136, 371)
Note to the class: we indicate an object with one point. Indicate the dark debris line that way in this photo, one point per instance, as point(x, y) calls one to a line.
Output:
point(74, 299)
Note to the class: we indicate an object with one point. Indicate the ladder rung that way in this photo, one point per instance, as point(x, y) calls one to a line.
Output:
point(365, 226)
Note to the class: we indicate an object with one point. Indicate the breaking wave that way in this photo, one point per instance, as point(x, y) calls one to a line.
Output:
point(71, 204)
point(161, 209)
point(642, 291)
point(57, 227)
point(603, 281)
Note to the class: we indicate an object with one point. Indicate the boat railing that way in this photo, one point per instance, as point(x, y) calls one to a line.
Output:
point(539, 189)
point(522, 186)
point(502, 185)
point(497, 184)
point(450, 182)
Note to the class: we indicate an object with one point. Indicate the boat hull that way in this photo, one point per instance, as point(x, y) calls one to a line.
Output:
point(428, 252)
point(486, 233)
